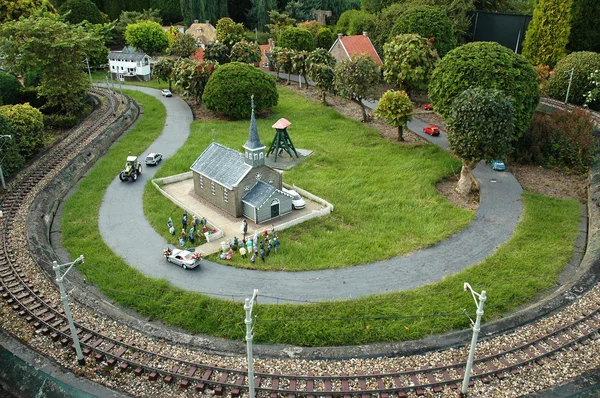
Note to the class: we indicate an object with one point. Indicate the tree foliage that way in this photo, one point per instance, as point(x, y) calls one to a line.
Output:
point(409, 61)
point(193, 76)
point(12, 10)
point(323, 75)
point(282, 58)
point(56, 48)
point(229, 32)
point(491, 66)
point(26, 123)
point(10, 158)
point(147, 36)
point(246, 52)
point(585, 35)
point(278, 23)
point(312, 26)
point(321, 56)
point(81, 10)
point(396, 108)
point(130, 17)
point(296, 39)
point(203, 10)
point(258, 13)
point(375, 6)
point(429, 22)
point(356, 79)
point(481, 126)
point(324, 38)
point(355, 22)
point(184, 46)
point(164, 70)
point(230, 87)
point(10, 89)
point(216, 51)
point(299, 66)
point(170, 10)
point(583, 64)
point(548, 32)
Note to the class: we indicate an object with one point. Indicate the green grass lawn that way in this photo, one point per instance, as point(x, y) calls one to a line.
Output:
point(100, 77)
point(383, 193)
point(520, 269)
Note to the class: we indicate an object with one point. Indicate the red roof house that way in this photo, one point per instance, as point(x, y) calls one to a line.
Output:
point(198, 55)
point(347, 46)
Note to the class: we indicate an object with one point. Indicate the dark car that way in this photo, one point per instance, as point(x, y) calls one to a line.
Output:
point(431, 130)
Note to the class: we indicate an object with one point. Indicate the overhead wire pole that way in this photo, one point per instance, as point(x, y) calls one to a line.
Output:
point(89, 71)
point(570, 81)
point(112, 107)
point(249, 336)
point(1, 160)
point(476, 328)
point(65, 299)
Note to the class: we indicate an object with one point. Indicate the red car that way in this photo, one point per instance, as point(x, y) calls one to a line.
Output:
point(431, 130)
point(428, 107)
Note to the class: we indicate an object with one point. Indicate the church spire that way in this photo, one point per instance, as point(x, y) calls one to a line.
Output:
point(254, 149)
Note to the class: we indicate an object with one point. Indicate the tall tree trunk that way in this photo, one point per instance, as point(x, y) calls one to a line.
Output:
point(323, 100)
point(400, 133)
point(289, 80)
point(464, 183)
point(362, 107)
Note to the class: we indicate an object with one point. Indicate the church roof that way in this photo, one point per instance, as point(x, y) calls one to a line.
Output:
point(223, 165)
point(260, 192)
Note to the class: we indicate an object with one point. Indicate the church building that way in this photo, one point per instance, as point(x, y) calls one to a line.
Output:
point(241, 184)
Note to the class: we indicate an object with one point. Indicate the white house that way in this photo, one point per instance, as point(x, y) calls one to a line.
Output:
point(129, 65)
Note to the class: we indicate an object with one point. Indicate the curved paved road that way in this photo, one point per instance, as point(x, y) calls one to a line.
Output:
point(128, 233)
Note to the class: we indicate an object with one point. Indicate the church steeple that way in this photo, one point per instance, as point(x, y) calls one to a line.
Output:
point(254, 150)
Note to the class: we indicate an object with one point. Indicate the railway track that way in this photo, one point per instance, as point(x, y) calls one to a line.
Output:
point(27, 290)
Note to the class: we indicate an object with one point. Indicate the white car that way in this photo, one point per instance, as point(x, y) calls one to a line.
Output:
point(166, 93)
point(297, 201)
point(153, 158)
point(183, 258)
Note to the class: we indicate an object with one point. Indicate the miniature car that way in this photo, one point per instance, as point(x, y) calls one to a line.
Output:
point(428, 107)
point(184, 258)
point(153, 158)
point(297, 201)
point(498, 165)
point(431, 130)
point(166, 93)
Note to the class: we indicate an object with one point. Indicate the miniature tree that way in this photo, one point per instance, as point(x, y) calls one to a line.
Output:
point(356, 79)
point(193, 76)
point(296, 39)
point(409, 61)
point(216, 51)
point(481, 126)
point(81, 10)
point(582, 64)
point(229, 32)
point(184, 46)
point(244, 51)
point(323, 75)
point(164, 69)
point(10, 89)
point(299, 66)
point(396, 108)
point(148, 37)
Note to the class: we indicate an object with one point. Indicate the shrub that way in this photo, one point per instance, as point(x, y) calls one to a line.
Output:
point(10, 158)
point(585, 35)
point(563, 139)
point(244, 51)
point(354, 22)
point(429, 22)
point(81, 10)
point(490, 66)
point(324, 38)
point(230, 87)
point(26, 123)
point(58, 121)
point(10, 89)
point(296, 39)
point(583, 63)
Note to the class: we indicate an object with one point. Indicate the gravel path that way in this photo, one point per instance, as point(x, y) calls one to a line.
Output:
point(122, 222)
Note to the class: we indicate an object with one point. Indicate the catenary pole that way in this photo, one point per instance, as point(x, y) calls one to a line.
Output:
point(249, 336)
point(476, 328)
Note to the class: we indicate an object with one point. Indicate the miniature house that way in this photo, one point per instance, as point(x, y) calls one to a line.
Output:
point(241, 184)
point(204, 33)
point(125, 65)
point(347, 46)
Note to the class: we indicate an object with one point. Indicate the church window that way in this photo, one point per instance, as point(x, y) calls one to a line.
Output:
point(225, 195)
point(201, 182)
point(212, 187)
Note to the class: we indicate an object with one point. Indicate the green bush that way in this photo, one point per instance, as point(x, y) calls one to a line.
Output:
point(26, 123)
point(429, 22)
point(296, 39)
point(81, 10)
point(564, 139)
point(10, 89)
point(490, 66)
point(230, 87)
point(355, 22)
point(59, 121)
point(324, 38)
point(583, 63)
point(10, 156)
point(585, 35)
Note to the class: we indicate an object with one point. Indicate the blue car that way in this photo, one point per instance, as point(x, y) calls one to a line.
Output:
point(498, 165)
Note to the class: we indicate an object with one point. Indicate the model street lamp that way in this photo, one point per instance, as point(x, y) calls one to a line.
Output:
point(476, 328)
point(65, 299)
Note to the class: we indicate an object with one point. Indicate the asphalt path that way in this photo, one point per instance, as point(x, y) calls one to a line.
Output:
point(127, 232)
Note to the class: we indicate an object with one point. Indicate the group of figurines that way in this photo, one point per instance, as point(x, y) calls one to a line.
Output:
point(269, 241)
point(197, 226)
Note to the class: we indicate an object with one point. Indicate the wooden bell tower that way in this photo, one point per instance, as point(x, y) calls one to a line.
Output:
point(282, 140)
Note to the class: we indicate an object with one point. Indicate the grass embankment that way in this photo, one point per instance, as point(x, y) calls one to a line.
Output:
point(383, 193)
point(528, 263)
point(100, 77)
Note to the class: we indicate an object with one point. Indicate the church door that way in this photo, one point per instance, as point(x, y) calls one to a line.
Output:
point(275, 208)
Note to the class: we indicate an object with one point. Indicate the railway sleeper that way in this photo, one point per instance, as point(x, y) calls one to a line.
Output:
point(275, 385)
point(113, 360)
point(185, 383)
point(398, 383)
point(380, 385)
point(169, 378)
point(292, 388)
point(205, 377)
point(222, 379)
point(152, 376)
point(238, 382)
point(310, 385)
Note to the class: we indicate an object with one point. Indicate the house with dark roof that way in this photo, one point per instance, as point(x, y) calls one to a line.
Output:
point(345, 47)
point(241, 184)
point(129, 65)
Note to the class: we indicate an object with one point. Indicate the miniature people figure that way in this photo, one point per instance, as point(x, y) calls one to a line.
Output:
point(184, 220)
point(192, 229)
point(204, 230)
point(253, 259)
point(170, 222)
point(191, 237)
point(255, 249)
point(229, 255)
point(244, 228)
point(183, 235)
point(235, 241)
point(203, 221)
point(268, 248)
point(196, 221)
point(171, 227)
point(262, 246)
point(182, 242)
point(262, 254)
point(249, 245)
point(276, 244)
point(243, 251)
point(272, 231)
point(255, 239)
point(266, 233)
